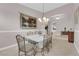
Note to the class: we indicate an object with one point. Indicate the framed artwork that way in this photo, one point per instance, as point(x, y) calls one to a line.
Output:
point(27, 21)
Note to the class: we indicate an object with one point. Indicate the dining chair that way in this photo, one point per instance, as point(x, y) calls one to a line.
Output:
point(44, 48)
point(50, 41)
point(25, 46)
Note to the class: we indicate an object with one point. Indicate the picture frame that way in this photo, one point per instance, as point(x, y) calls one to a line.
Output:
point(27, 22)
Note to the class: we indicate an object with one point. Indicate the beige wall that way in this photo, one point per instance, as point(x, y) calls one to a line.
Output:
point(10, 22)
point(10, 16)
point(76, 34)
point(65, 21)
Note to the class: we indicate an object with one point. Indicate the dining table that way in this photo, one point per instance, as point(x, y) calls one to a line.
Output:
point(36, 39)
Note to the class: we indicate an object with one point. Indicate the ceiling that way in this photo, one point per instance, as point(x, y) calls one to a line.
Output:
point(47, 6)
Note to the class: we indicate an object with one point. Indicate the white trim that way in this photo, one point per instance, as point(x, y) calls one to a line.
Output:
point(4, 48)
point(76, 48)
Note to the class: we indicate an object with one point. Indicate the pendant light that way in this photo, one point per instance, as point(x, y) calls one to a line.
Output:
point(44, 19)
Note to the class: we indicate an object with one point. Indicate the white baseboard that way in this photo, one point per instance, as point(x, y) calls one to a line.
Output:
point(76, 48)
point(4, 48)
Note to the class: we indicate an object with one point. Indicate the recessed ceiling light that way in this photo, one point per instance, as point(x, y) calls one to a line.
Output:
point(57, 18)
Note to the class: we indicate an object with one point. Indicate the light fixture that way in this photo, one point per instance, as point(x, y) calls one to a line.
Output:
point(57, 18)
point(40, 19)
point(43, 19)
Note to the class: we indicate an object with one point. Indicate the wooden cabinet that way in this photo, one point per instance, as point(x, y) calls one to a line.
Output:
point(70, 36)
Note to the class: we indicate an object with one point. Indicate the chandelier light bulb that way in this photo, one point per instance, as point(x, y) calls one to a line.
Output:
point(44, 19)
point(40, 19)
point(47, 19)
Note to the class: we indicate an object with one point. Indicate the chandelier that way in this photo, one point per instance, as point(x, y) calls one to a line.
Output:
point(43, 19)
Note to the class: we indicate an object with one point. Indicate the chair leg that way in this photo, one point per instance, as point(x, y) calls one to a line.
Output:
point(51, 44)
point(19, 53)
point(25, 53)
point(42, 52)
point(34, 53)
point(47, 49)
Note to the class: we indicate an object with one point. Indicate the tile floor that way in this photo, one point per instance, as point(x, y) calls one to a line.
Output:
point(59, 48)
